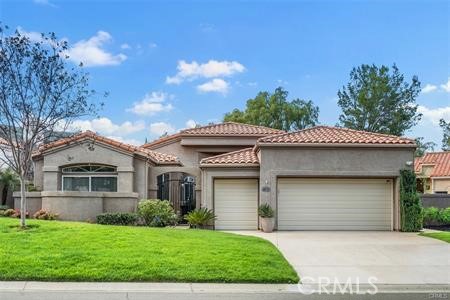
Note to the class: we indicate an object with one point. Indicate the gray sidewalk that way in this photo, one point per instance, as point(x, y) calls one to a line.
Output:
point(135, 291)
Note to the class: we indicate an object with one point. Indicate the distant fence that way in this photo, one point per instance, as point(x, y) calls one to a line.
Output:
point(436, 200)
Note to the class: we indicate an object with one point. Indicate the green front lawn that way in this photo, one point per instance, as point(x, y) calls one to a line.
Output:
point(441, 235)
point(72, 251)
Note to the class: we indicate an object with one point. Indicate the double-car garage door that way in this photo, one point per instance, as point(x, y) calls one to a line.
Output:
point(307, 204)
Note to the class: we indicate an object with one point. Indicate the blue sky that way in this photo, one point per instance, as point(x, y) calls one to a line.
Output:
point(168, 65)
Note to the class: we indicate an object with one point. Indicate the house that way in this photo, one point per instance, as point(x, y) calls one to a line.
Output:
point(321, 178)
point(433, 173)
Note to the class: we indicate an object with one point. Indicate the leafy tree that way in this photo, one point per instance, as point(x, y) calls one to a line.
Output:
point(9, 181)
point(423, 147)
point(446, 134)
point(275, 111)
point(379, 100)
point(39, 96)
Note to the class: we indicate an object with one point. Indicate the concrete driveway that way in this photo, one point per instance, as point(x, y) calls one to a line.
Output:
point(391, 257)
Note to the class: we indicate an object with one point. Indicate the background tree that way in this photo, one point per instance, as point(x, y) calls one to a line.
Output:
point(9, 181)
point(379, 100)
point(423, 147)
point(446, 134)
point(275, 111)
point(39, 96)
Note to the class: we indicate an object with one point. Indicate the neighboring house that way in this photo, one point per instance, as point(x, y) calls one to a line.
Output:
point(322, 178)
point(433, 173)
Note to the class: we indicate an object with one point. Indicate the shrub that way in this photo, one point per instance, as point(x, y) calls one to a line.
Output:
point(117, 219)
point(4, 207)
point(200, 218)
point(15, 213)
point(157, 213)
point(433, 216)
point(9, 212)
point(265, 211)
point(45, 215)
point(411, 207)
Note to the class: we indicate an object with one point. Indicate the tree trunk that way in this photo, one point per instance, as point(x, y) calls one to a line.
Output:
point(23, 203)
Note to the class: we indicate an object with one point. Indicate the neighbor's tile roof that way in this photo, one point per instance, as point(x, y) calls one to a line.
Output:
point(440, 160)
point(156, 157)
point(221, 129)
point(335, 135)
point(241, 157)
point(231, 128)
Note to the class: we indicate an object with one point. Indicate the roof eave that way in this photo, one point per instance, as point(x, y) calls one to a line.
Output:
point(343, 145)
point(234, 165)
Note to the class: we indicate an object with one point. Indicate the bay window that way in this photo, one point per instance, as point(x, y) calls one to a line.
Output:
point(89, 178)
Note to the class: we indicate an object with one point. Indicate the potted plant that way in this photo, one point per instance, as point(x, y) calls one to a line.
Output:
point(266, 215)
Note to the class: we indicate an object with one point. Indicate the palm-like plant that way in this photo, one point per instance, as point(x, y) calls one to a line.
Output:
point(200, 218)
point(9, 180)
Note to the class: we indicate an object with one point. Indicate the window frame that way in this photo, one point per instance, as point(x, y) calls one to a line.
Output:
point(88, 175)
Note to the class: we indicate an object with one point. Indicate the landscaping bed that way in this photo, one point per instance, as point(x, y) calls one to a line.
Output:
point(73, 251)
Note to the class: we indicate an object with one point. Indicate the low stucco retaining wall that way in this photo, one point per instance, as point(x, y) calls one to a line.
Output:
point(34, 201)
point(79, 206)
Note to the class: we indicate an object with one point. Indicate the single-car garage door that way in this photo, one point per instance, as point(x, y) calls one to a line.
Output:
point(235, 204)
point(334, 204)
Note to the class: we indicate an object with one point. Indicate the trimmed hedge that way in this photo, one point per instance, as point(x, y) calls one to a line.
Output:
point(125, 219)
point(411, 206)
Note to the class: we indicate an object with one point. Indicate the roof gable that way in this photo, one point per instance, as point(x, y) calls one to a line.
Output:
point(335, 136)
point(439, 160)
point(156, 157)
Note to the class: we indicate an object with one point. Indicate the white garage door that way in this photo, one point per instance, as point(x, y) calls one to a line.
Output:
point(235, 204)
point(334, 204)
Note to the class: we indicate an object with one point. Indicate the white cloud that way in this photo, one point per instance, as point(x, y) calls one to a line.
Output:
point(160, 128)
point(152, 45)
point(151, 104)
point(125, 46)
point(446, 86)
point(434, 115)
point(429, 88)
point(106, 127)
point(91, 52)
point(126, 141)
point(191, 123)
point(216, 85)
point(213, 68)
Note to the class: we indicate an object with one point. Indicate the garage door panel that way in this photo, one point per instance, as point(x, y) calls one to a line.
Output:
point(334, 204)
point(235, 204)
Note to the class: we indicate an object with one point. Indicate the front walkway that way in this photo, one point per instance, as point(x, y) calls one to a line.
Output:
point(392, 257)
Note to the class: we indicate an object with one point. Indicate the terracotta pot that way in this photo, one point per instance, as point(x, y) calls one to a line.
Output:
point(267, 224)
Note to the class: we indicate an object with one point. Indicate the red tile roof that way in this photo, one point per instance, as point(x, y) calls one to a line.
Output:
point(335, 135)
point(439, 160)
point(156, 157)
point(241, 157)
point(221, 129)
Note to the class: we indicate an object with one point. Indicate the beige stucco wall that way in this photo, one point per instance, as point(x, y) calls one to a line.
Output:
point(209, 174)
point(79, 206)
point(34, 201)
point(441, 185)
point(38, 175)
point(190, 157)
point(325, 162)
point(78, 154)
